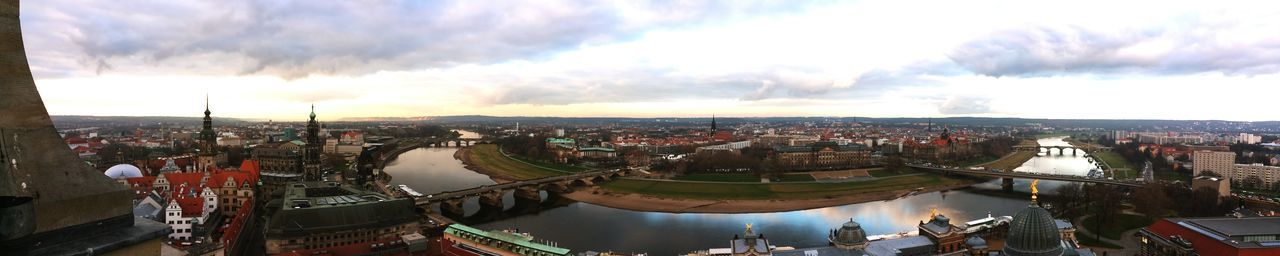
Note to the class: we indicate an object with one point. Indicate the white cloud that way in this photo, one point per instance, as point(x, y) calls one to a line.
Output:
point(680, 58)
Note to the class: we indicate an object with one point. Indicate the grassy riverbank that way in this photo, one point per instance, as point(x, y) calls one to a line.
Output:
point(487, 159)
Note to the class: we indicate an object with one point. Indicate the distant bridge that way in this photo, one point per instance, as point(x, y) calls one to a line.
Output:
point(491, 195)
point(1009, 175)
point(1049, 149)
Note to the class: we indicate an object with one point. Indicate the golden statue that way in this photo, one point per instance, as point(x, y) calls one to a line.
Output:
point(933, 213)
point(1034, 191)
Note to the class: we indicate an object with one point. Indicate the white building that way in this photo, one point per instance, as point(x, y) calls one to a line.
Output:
point(185, 212)
point(1223, 163)
point(1269, 175)
point(1218, 162)
point(1249, 138)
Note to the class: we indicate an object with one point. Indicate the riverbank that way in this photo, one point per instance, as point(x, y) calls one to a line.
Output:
point(640, 202)
point(713, 197)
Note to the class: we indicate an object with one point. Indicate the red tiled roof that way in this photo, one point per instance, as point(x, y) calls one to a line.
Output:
point(191, 206)
point(1203, 244)
point(176, 179)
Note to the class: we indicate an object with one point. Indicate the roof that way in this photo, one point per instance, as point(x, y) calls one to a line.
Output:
point(312, 207)
point(1219, 234)
point(1240, 227)
point(818, 251)
point(912, 245)
point(523, 241)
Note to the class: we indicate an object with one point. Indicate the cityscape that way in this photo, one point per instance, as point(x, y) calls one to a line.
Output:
point(703, 128)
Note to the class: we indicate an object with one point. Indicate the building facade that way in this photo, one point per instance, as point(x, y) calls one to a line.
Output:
point(822, 156)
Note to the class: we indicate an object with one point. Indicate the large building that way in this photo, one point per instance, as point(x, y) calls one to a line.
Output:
point(1218, 162)
point(460, 240)
point(315, 217)
point(1217, 236)
point(1222, 164)
point(822, 155)
point(280, 163)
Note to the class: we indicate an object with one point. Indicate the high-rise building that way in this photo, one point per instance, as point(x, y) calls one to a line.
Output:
point(311, 152)
point(1218, 162)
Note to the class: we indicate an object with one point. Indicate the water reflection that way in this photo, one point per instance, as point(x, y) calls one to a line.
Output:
point(581, 226)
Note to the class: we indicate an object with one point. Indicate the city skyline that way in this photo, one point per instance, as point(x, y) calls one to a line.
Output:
point(625, 59)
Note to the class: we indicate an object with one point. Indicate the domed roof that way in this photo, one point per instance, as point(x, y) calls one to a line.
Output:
point(1033, 233)
point(975, 242)
point(121, 171)
point(849, 234)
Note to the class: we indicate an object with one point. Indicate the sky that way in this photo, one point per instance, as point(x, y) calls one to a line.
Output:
point(1215, 60)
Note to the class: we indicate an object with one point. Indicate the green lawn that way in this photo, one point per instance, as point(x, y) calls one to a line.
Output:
point(487, 156)
point(1125, 174)
point(795, 177)
point(1089, 241)
point(1114, 159)
point(881, 173)
point(758, 191)
point(557, 166)
point(719, 177)
point(1121, 223)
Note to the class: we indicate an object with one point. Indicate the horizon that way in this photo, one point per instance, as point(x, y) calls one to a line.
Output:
point(391, 118)
point(1086, 60)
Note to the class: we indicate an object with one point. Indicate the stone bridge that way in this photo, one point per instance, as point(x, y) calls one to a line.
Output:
point(1008, 176)
point(1049, 149)
point(451, 142)
point(491, 195)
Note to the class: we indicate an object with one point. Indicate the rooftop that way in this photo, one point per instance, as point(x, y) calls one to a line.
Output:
point(519, 240)
point(310, 207)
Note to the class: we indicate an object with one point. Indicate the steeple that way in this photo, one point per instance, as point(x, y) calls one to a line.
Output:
point(311, 153)
point(713, 124)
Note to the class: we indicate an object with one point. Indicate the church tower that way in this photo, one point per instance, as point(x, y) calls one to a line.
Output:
point(208, 142)
point(713, 125)
point(311, 153)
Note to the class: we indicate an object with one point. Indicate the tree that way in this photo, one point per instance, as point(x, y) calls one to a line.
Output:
point(1151, 200)
point(1252, 182)
point(894, 163)
point(1106, 203)
point(1069, 201)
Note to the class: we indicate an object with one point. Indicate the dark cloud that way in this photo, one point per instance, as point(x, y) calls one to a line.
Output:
point(296, 38)
point(1175, 49)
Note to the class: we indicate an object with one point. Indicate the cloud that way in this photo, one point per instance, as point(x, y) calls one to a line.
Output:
point(293, 39)
point(965, 105)
point(1187, 47)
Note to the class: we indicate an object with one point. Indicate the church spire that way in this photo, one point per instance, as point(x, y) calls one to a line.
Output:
point(713, 124)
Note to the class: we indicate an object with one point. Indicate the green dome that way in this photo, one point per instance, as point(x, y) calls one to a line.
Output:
point(1033, 233)
point(850, 234)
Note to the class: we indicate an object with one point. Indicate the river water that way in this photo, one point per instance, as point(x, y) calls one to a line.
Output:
point(584, 226)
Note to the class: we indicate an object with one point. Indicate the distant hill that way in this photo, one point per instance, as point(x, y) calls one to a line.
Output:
point(65, 122)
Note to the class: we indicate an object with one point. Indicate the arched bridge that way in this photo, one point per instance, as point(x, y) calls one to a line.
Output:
point(491, 195)
point(1049, 149)
point(451, 142)
point(1009, 175)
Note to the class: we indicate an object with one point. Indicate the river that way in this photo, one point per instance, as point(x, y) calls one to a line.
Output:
point(584, 226)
